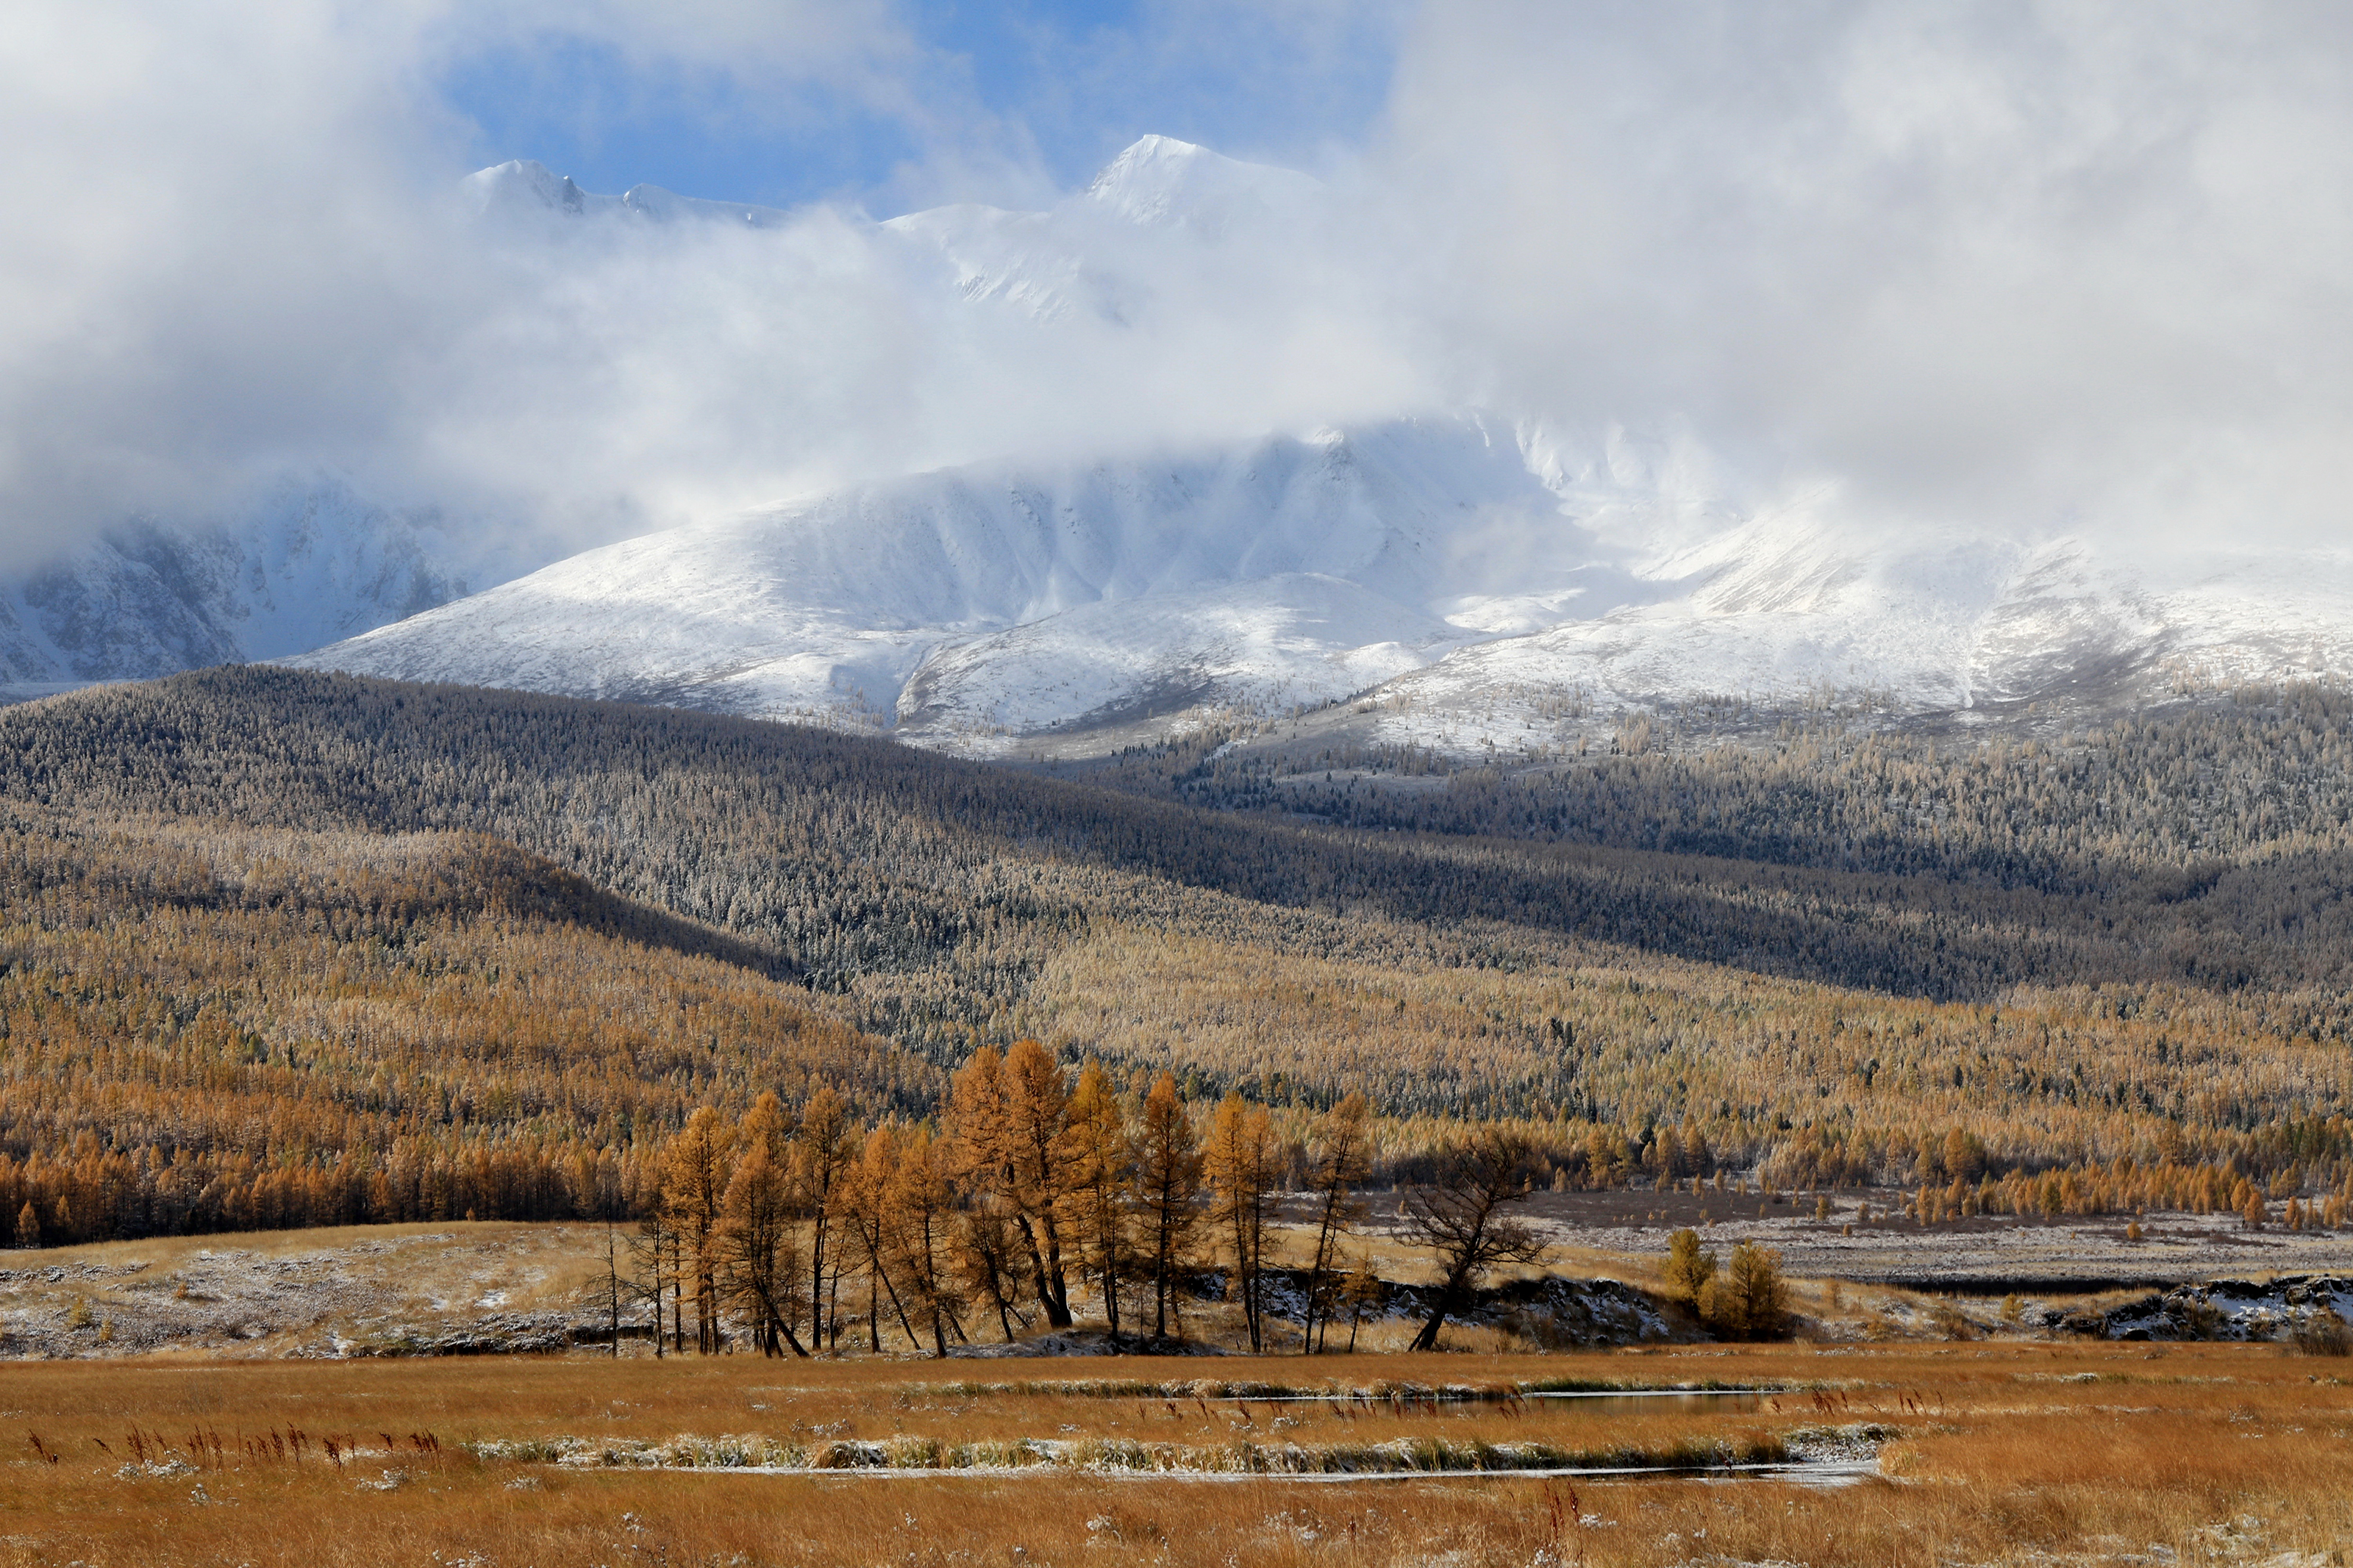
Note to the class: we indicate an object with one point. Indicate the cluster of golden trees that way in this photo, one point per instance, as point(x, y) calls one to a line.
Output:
point(803, 1225)
point(2128, 1186)
point(1746, 1299)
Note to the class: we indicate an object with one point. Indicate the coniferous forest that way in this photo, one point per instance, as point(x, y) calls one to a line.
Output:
point(286, 949)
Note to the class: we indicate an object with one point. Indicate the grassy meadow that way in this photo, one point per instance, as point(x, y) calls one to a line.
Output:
point(1987, 1452)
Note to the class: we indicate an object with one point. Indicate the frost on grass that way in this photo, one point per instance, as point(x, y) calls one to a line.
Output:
point(1404, 1455)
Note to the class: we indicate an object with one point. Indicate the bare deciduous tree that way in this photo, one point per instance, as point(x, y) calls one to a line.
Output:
point(1343, 1157)
point(1464, 1216)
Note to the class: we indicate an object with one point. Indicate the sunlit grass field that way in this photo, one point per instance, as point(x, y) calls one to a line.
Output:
point(1990, 1452)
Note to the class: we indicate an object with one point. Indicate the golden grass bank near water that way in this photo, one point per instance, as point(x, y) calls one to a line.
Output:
point(2006, 1452)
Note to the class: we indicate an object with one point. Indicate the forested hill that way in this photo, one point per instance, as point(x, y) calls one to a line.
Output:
point(516, 935)
point(848, 856)
point(207, 1028)
point(2159, 803)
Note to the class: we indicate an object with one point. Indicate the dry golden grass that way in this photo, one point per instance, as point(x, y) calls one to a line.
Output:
point(2001, 1452)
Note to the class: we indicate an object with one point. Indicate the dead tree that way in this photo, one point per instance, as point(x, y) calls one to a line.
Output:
point(1461, 1216)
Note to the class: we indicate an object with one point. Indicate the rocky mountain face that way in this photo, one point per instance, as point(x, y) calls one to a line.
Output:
point(310, 564)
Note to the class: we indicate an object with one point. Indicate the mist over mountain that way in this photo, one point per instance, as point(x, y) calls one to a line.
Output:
point(307, 564)
point(1477, 581)
point(1121, 547)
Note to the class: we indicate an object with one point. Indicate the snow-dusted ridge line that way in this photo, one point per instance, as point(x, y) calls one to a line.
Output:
point(311, 562)
point(1460, 569)
point(1489, 584)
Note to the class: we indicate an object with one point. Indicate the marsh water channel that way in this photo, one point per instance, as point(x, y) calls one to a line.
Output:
point(1210, 1433)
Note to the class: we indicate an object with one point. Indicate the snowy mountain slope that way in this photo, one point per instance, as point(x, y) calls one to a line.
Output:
point(1468, 578)
point(1297, 639)
point(833, 604)
point(1978, 627)
point(310, 564)
point(1482, 577)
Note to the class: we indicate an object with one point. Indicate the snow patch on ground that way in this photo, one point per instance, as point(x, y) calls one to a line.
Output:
point(2306, 1304)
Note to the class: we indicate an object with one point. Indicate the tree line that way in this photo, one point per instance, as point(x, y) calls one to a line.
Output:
point(800, 1226)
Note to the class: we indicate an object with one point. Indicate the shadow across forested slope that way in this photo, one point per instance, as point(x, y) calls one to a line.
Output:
point(846, 855)
point(281, 945)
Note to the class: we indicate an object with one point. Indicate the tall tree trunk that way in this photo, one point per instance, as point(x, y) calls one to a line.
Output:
point(816, 1279)
point(777, 1325)
point(1054, 1303)
point(677, 1294)
point(613, 1287)
point(1448, 1294)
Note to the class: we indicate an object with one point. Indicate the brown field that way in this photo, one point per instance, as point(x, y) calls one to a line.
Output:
point(1991, 1453)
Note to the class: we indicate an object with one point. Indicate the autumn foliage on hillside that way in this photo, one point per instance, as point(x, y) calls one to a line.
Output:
point(286, 948)
point(231, 1029)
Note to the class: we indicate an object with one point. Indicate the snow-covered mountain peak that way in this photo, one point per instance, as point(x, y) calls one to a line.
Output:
point(523, 187)
point(1160, 180)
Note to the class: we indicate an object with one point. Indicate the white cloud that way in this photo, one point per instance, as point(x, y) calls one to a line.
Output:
point(2025, 264)
point(234, 243)
point(2017, 263)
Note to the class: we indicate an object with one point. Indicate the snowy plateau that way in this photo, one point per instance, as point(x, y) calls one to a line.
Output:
point(1462, 579)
